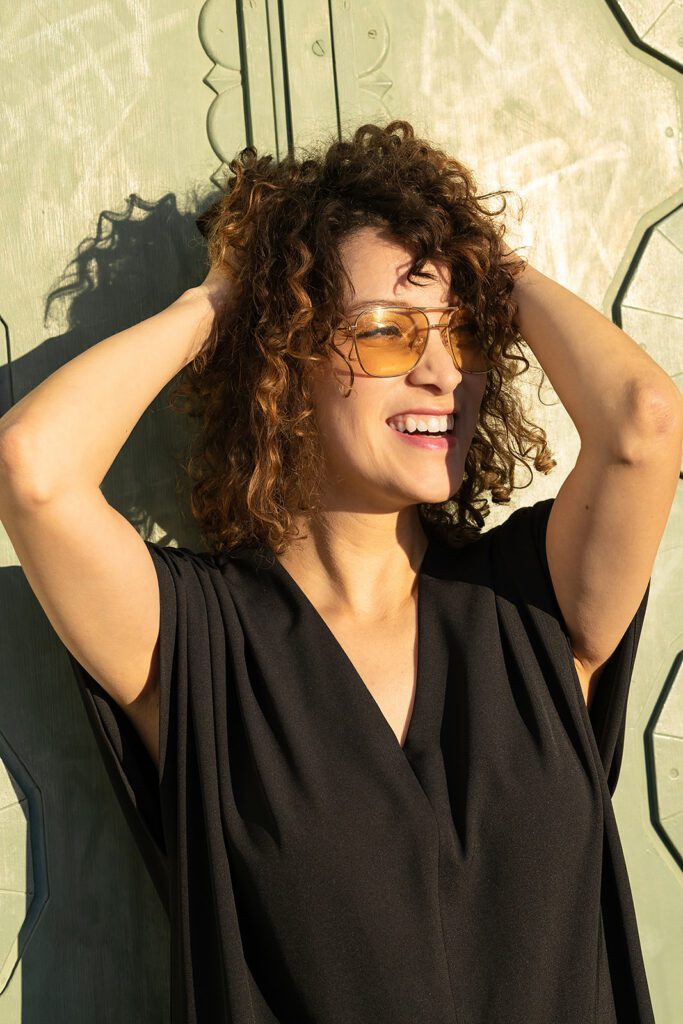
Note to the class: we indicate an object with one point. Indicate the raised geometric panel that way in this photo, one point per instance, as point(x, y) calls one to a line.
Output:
point(650, 302)
point(362, 42)
point(225, 123)
point(23, 868)
point(290, 75)
point(310, 63)
point(666, 746)
point(658, 24)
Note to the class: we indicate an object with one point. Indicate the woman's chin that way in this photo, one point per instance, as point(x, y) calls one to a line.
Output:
point(435, 500)
point(439, 491)
point(433, 495)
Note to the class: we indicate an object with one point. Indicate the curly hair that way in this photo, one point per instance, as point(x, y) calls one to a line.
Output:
point(255, 461)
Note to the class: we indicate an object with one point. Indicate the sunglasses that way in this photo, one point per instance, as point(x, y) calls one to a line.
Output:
point(389, 341)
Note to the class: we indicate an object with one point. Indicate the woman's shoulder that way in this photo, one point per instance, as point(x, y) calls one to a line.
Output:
point(255, 556)
point(505, 545)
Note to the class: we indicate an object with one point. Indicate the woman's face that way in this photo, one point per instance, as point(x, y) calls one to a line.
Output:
point(370, 466)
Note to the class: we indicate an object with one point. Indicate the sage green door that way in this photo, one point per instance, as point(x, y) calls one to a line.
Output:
point(119, 119)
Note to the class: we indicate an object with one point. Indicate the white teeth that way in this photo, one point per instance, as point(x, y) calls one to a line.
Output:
point(412, 424)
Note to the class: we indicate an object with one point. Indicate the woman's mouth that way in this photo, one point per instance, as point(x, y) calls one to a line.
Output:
point(412, 430)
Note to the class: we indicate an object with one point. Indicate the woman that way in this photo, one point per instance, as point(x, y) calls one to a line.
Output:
point(368, 750)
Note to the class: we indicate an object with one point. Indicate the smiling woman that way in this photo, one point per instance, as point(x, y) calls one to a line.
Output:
point(381, 220)
point(408, 368)
point(351, 736)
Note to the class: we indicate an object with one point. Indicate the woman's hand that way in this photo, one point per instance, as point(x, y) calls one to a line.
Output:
point(218, 287)
point(210, 298)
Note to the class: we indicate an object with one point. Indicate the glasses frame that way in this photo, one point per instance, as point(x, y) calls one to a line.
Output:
point(349, 330)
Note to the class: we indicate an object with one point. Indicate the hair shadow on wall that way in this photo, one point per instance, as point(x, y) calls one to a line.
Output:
point(138, 261)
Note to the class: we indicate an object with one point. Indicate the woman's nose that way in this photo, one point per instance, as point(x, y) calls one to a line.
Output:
point(433, 352)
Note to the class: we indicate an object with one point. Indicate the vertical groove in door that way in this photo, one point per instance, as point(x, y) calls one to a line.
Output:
point(244, 67)
point(334, 68)
point(276, 78)
point(285, 79)
point(6, 381)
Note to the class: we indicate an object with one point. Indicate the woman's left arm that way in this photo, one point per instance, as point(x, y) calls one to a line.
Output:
point(608, 518)
point(613, 391)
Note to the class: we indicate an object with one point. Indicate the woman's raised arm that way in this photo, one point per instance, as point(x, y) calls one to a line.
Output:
point(68, 430)
point(86, 564)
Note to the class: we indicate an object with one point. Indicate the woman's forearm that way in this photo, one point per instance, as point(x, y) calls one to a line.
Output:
point(69, 429)
point(602, 376)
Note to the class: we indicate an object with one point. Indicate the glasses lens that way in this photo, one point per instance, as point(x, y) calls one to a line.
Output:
point(466, 347)
point(390, 341)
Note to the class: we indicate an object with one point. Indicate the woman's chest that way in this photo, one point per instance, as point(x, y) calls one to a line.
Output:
point(385, 657)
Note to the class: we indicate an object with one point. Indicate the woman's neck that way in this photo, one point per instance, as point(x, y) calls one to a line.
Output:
point(363, 565)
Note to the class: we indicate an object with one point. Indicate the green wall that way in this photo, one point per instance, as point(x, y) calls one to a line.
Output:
point(117, 119)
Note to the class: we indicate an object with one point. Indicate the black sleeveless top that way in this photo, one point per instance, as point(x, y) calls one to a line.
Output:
point(315, 871)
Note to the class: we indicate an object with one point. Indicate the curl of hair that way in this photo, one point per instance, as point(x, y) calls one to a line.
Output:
point(255, 462)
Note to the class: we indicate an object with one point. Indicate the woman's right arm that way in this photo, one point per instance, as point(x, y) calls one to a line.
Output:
point(88, 567)
point(68, 430)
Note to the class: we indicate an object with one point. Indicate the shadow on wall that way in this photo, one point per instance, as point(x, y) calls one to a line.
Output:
point(80, 918)
point(137, 263)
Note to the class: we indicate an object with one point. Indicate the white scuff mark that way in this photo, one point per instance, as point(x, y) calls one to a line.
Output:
point(468, 28)
point(110, 144)
point(72, 77)
point(52, 34)
point(561, 66)
point(428, 49)
point(40, 13)
point(611, 153)
point(597, 248)
point(144, 33)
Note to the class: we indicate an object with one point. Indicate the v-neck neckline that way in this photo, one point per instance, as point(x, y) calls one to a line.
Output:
point(375, 712)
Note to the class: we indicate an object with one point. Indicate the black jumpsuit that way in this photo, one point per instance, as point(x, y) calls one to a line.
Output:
point(315, 871)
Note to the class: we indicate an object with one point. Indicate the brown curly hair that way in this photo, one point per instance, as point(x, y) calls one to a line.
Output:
point(255, 461)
